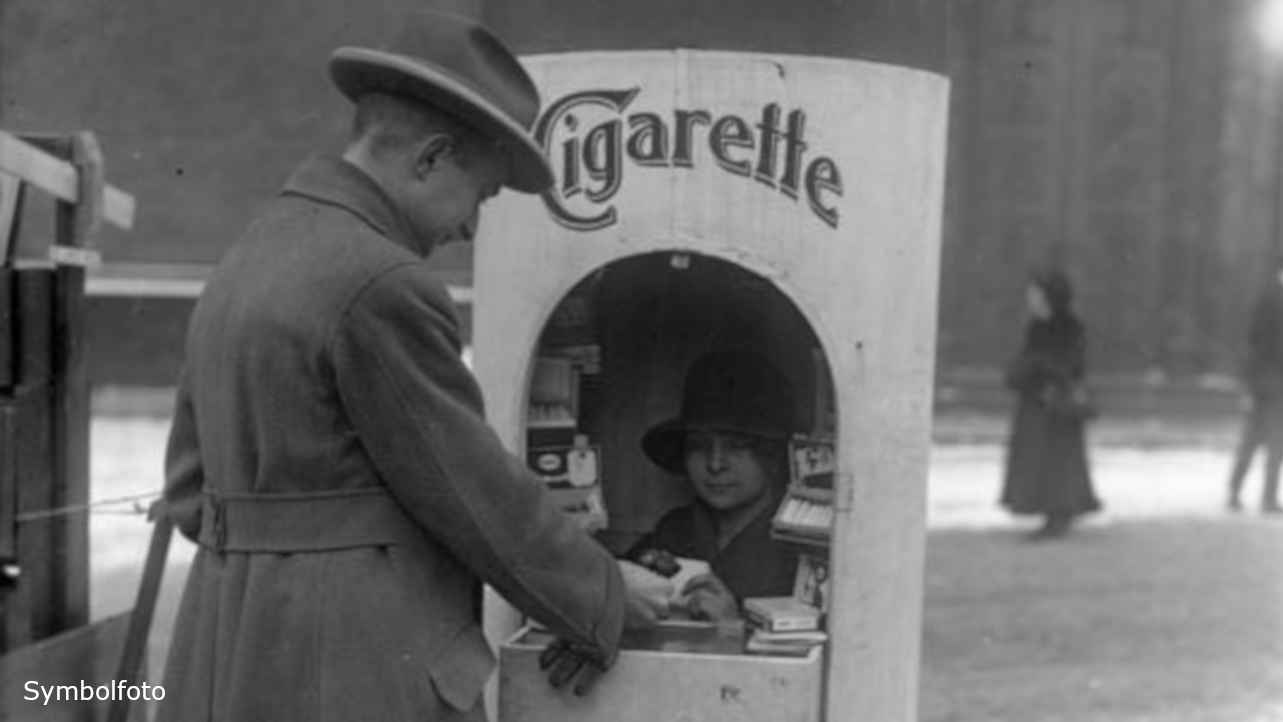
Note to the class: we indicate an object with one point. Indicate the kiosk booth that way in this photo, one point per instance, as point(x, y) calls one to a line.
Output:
point(712, 201)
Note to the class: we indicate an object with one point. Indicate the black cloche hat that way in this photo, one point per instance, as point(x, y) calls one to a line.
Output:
point(734, 391)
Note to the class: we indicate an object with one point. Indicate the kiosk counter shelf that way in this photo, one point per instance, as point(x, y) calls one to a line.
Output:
point(679, 670)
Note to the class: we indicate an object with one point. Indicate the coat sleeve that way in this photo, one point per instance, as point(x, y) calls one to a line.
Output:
point(184, 473)
point(417, 411)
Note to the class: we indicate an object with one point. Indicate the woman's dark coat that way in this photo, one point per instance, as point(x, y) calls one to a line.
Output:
point(1047, 470)
point(751, 565)
point(324, 357)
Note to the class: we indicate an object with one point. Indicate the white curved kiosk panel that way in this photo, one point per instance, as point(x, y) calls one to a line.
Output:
point(787, 203)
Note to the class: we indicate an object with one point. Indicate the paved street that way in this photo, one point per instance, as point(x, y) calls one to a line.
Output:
point(1164, 608)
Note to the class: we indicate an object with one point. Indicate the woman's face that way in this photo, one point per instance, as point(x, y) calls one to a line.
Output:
point(1037, 299)
point(727, 474)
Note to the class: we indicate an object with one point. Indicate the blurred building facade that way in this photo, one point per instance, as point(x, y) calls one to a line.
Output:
point(1135, 143)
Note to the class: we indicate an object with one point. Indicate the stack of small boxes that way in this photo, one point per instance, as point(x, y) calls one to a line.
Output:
point(559, 445)
point(806, 514)
point(782, 625)
point(793, 625)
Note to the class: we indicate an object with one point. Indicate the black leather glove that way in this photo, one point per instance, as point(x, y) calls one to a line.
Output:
point(567, 662)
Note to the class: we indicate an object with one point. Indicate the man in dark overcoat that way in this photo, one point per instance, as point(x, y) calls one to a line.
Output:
point(329, 453)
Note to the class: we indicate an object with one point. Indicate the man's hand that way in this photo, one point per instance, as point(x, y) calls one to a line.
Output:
point(646, 599)
point(647, 595)
point(568, 661)
point(706, 597)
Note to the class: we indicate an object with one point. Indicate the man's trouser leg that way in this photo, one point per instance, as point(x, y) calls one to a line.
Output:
point(1251, 438)
point(1272, 432)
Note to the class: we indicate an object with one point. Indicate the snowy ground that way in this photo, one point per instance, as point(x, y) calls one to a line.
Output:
point(1148, 493)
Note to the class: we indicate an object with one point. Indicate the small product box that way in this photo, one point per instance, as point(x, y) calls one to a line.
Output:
point(811, 585)
point(781, 614)
point(793, 643)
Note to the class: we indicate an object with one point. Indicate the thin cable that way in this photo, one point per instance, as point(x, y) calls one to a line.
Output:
point(84, 508)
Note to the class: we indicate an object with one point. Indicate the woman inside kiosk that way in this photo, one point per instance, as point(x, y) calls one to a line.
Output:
point(730, 441)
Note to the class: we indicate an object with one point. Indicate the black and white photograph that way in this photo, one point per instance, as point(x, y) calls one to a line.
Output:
point(618, 361)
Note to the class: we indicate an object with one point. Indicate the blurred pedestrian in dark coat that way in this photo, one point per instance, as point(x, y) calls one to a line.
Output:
point(1263, 377)
point(1047, 471)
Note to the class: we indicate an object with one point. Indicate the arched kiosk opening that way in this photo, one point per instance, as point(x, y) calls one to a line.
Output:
point(611, 363)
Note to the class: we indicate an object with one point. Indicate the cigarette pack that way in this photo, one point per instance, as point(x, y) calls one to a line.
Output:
point(790, 643)
point(781, 614)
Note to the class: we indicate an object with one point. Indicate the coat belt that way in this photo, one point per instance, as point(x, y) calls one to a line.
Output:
point(303, 522)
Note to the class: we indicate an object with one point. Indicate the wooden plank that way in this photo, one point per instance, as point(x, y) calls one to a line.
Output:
point(87, 653)
point(59, 178)
point(27, 612)
point(8, 327)
point(70, 478)
point(74, 256)
point(133, 657)
point(148, 280)
point(10, 207)
point(144, 287)
point(33, 320)
point(160, 280)
point(8, 493)
point(30, 608)
point(86, 155)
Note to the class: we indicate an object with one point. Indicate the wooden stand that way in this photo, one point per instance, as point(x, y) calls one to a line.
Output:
point(44, 413)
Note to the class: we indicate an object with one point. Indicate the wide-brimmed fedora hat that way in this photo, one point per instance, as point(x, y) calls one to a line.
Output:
point(459, 67)
point(730, 391)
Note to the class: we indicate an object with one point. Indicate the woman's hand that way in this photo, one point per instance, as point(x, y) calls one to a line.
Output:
point(647, 595)
point(706, 597)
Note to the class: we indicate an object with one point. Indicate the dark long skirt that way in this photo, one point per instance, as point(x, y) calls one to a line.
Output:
point(1047, 470)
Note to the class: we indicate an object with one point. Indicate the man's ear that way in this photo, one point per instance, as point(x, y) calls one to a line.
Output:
point(430, 152)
